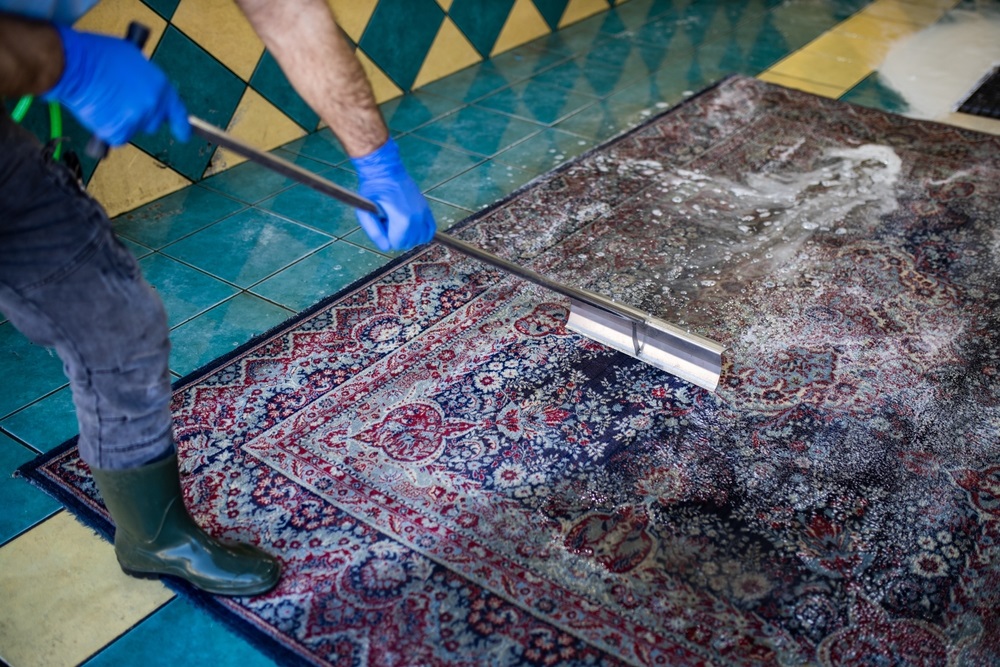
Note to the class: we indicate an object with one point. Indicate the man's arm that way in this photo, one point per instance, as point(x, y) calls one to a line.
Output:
point(306, 41)
point(31, 56)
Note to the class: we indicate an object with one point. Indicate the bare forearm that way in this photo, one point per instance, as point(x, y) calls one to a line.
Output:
point(31, 56)
point(318, 61)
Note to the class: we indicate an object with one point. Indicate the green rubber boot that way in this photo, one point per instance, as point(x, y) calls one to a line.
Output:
point(155, 535)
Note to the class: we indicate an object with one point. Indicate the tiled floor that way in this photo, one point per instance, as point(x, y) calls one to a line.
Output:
point(243, 250)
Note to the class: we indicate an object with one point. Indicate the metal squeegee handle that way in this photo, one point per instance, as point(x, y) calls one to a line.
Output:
point(308, 178)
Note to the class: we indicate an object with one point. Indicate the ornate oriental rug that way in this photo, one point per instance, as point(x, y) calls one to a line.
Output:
point(452, 478)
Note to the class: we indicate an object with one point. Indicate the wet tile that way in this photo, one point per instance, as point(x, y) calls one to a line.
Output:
point(537, 102)
point(572, 40)
point(316, 277)
point(632, 59)
point(478, 130)
point(586, 78)
point(251, 183)
point(322, 146)
point(155, 642)
point(469, 84)
point(545, 151)
point(822, 69)
point(65, 596)
point(871, 92)
point(247, 247)
point(481, 186)
point(816, 88)
point(221, 330)
point(415, 109)
point(137, 249)
point(174, 216)
point(23, 505)
point(525, 62)
point(430, 164)
point(185, 291)
point(315, 209)
point(46, 423)
point(37, 369)
point(481, 22)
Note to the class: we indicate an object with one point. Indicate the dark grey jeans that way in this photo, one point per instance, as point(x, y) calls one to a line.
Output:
point(66, 282)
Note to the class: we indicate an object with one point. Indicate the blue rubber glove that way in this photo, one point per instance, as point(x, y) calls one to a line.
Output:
point(112, 89)
point(408, 220)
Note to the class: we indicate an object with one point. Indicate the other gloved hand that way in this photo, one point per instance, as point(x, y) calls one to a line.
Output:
point(112, 89)
point(408, 220)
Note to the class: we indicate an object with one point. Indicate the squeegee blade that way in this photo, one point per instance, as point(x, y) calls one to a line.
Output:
point(657, 342)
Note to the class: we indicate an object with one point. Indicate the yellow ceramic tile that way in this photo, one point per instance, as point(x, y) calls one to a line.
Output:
point(112, 17)
point(382, 85)
point(64, 596)
point(845, 46)
point(811, 66)
point(450, 52)
point(259, 123)
point(445, 4)
point(904, 12)
point(128, 178)
point(824, 90)
point(219, 27)
point(875, 28)
point(524, 23)
point(353, 15)
point(971, 122)
point(577, 10)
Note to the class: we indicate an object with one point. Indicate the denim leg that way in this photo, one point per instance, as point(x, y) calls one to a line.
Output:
point(67, 282)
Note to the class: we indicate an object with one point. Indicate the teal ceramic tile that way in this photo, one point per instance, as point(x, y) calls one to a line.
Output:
point(597, 122)
point(399, 35)
point(210, 91)
point(537, 102)
point(175, 216)
point(798, 23)
point(250, 183)
point(271, 82)
point(481, 186)
point(37, 369)
point(525, 62)
point(431, 164)
point(871, 92)
point(247, 247)
point(46, 423)
point(319, 275)
point(572, 40)
point(478, 130)
point(469, 84)
point(185, 291)
point(137, 249)
point(412, 110)
point(322, 146)
point(545, 151)
point(23, 505)
point(481, 21)
point(309, 207)
point(157, 642)
point(221, 330)
point(636, 13)
point(587, 78)
point(164, 8)
point(551, 11)
point(631, 59)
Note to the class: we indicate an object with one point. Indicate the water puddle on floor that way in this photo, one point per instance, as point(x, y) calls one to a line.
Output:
point(937, 68)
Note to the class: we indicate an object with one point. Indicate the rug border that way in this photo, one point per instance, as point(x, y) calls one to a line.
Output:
point(215, 605)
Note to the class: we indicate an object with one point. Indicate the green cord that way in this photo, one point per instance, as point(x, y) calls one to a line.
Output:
point(55, 119)
point(22, 107)
point(55, 127)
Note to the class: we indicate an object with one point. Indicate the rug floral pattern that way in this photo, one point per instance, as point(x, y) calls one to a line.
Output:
point(450, 477)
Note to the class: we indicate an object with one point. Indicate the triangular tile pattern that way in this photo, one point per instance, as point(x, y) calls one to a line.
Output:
point(210, 52)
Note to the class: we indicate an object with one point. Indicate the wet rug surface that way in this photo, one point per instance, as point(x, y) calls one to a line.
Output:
point(451, 478)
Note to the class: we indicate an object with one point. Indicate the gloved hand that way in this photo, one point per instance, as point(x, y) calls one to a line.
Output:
point(112, 89)
point(408, 220)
